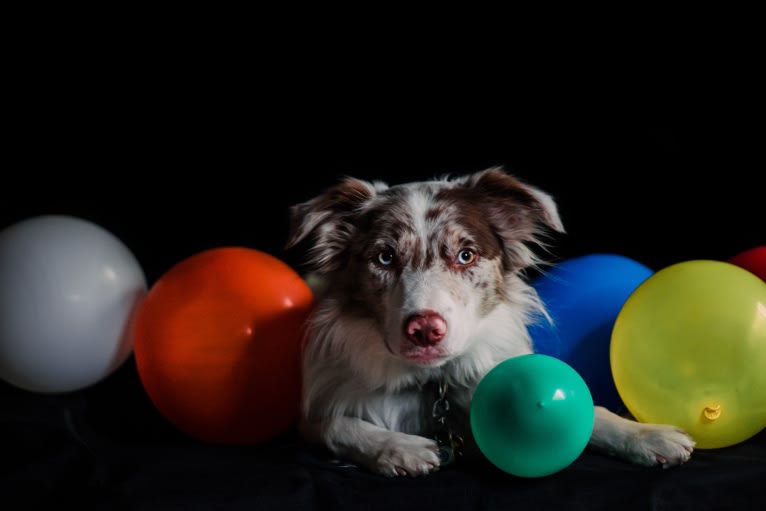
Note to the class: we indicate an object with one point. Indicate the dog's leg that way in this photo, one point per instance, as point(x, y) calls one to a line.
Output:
point(385, 452)
point(644, 444)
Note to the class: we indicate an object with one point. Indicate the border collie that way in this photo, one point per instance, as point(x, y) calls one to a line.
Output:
point(421, 290)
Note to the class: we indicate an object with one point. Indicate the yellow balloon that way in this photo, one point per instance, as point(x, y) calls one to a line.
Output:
point(688, 348)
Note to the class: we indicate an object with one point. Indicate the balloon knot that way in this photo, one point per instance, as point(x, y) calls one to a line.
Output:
point(711, 413)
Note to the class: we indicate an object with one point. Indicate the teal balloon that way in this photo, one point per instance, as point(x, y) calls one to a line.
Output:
point(532, 415)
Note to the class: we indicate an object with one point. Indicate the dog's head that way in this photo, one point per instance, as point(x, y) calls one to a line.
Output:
point(425, 262)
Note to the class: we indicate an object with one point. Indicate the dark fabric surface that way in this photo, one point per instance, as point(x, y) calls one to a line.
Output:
point(107, 448)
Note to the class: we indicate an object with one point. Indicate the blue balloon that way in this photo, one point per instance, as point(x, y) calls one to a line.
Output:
point(584, 295)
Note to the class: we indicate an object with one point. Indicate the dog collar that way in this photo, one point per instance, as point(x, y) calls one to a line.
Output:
point(450, 443)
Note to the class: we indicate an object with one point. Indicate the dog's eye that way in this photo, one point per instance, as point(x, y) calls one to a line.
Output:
point(385, 257)
point(466, 256)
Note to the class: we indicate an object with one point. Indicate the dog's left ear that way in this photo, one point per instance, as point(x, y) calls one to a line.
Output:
point(330, 219)
point(519, 212)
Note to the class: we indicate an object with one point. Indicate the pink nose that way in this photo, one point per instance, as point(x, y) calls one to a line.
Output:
point(425, 329)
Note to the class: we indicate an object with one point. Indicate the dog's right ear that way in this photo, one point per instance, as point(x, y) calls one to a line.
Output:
point(329, 218)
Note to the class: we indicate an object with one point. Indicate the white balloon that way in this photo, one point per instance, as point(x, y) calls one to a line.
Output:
point(69, 290)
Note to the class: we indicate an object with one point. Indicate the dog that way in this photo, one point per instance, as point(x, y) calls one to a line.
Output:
point(422, 288)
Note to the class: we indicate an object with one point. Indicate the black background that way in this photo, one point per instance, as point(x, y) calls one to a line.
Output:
point(203, 140)
point(175, 148)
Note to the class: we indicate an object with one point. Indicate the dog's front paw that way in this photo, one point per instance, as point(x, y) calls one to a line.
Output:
point(656, 444)
point(402, 454)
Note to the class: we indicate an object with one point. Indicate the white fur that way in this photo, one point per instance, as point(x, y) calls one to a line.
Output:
point(385, 255)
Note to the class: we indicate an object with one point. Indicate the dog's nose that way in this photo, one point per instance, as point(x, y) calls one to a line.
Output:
point(425, 329)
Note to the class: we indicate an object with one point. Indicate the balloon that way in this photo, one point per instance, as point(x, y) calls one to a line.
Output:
point(69, 290)
point(689, 349)
point(217, 345)
point(583, 296)
point(532, 415)
point(753, 260)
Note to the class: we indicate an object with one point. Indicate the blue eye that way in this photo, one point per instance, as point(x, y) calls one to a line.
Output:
point(466, 256)
point(385, 257)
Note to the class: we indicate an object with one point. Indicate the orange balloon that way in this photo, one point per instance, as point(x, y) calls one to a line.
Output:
point(217, 345)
